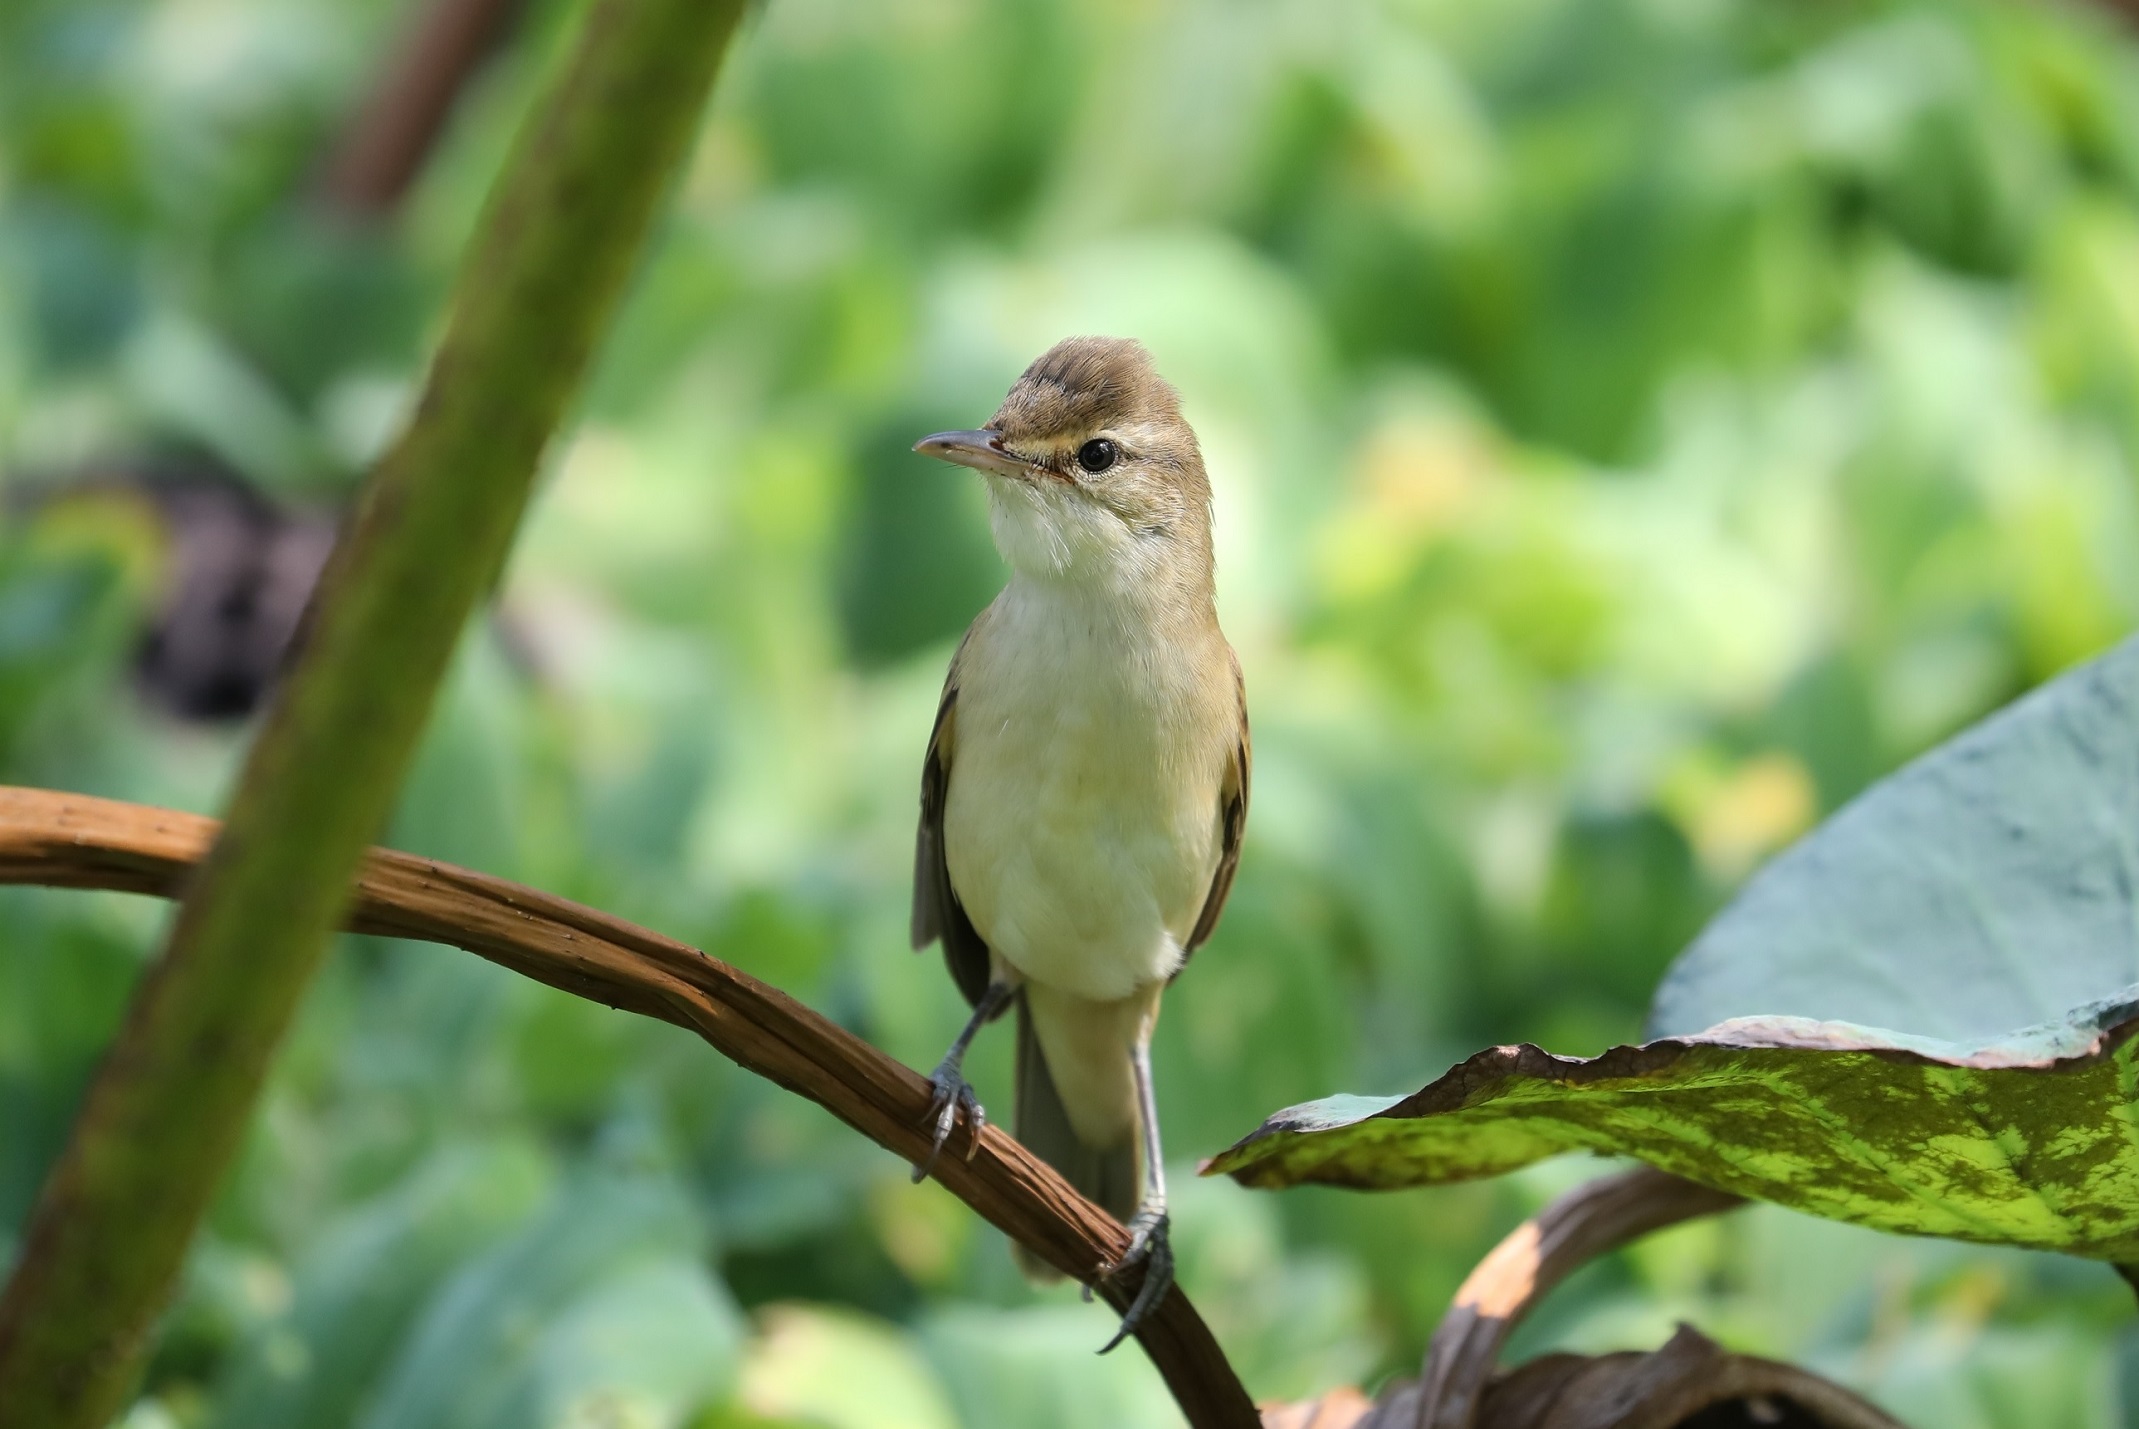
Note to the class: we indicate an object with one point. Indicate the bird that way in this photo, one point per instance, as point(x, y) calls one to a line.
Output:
point(1085, 787)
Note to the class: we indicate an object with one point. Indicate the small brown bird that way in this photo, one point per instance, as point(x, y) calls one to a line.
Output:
point(1087, 781)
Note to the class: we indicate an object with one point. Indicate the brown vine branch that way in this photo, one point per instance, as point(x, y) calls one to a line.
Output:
point(1689, 1381)
point(72, 841)
point(393, 131)
point(1591, 1220)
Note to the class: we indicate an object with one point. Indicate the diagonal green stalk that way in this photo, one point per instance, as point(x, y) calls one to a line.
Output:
point(171, 1102)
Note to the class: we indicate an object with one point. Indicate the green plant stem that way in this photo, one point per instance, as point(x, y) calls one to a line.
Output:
point(169, 1106)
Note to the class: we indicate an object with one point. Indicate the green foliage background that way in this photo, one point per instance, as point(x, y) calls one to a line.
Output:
point(1637, 423)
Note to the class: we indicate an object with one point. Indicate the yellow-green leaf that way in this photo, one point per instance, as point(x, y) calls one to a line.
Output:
point(2026, 1140)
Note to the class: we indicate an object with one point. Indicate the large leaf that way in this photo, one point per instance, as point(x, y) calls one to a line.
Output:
point(1992, 883)
point(2028, 1140)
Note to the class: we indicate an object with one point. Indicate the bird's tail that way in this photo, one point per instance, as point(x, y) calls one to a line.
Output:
point(1109, 1173)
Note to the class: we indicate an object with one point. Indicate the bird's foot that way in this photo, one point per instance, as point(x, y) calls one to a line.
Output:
point(1150, 1247)
point(953, 1094)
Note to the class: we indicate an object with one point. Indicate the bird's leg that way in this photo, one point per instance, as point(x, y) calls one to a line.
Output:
point(952, 1089)
point(1149, 1244)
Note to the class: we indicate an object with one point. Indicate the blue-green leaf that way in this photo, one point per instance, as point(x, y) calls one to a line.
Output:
point(1992, 883)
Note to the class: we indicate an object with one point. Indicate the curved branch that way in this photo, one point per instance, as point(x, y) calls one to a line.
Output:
point(73, 841)
point(1689, 1380)
point(1678, 1384)
point(1589, 1221)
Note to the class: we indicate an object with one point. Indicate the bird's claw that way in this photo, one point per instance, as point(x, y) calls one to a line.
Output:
point(952, 1095)
point(1150, 1246)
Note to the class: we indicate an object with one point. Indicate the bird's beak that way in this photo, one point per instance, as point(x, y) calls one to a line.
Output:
point(982, 450)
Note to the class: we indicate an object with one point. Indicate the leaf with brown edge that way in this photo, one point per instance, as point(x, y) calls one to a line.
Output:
point(2025, 1140)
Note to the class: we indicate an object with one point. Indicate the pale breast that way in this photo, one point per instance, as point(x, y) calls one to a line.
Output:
point(1081, 825)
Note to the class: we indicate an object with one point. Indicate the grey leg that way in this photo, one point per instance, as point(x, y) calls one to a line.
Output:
point(1148, 1237)
point(952, 1089)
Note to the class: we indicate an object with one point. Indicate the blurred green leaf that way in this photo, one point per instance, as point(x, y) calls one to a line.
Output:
point(85, 294)
point(357, 1290)
point(601, 1304)
point(63, 986)
point(833, 1369)
point(1035, 1367)
point(646, 1346)
point(917, 558)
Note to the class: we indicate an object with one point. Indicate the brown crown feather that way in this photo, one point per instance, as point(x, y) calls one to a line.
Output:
point(1083, 384)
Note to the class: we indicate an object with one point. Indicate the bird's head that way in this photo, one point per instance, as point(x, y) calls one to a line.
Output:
point(1092, 474)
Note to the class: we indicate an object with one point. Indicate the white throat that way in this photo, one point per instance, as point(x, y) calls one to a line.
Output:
point(1076, 547)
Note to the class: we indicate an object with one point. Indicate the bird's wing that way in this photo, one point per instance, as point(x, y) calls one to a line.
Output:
point(1233, 820)
point(937, 911)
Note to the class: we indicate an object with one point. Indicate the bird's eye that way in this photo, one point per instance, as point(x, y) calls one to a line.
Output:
point(1097, 455)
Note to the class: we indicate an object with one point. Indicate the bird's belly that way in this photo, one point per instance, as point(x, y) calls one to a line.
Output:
point(1081, 863)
